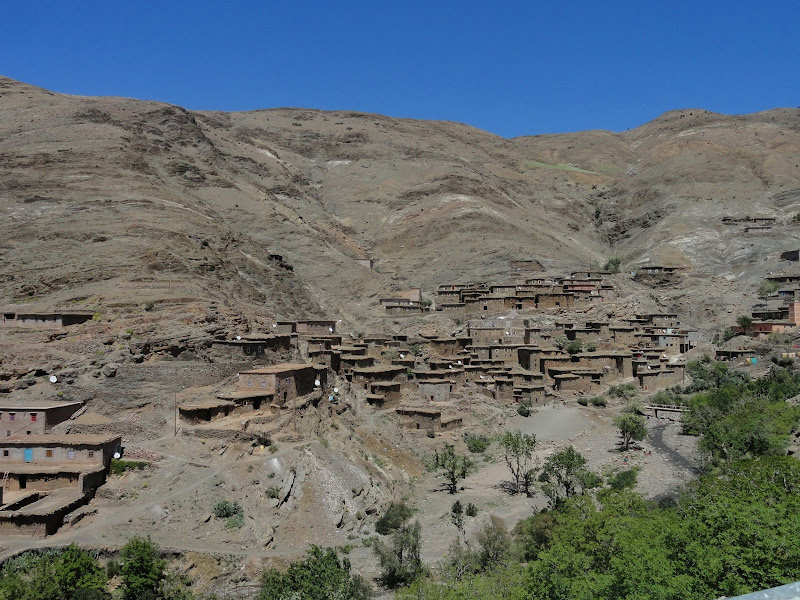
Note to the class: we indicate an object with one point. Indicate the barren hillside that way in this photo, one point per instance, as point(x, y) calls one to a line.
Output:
point(108, 198)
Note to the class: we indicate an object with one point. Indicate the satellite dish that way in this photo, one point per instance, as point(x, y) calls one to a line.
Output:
point(238, 337)
point(117, 455)
point(53, 378)
point(402, 355)
point(330, 329)
point(335, 390)
point(316, 382)
point(449, 366)
point(481, 376)
point(459, 362)
point(274, 325)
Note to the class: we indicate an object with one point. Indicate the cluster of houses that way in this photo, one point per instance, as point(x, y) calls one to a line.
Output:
point(580, 289)
point(506, 358)
point(46, 477)
point(420, 379)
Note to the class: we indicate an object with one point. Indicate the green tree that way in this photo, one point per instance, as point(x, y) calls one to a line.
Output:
point(574, 347)
point(494, 542)
point(745, 323)
point(455, 466)
point(318, 576)
point(394, 517)
point(613, 264)
point(142, 569)
point(562, 474)
point(631, 427)
point(623, 480)
point(401, 562)
point(518, 449)
point(767, 288)
point(457, 517)
point(76, 570)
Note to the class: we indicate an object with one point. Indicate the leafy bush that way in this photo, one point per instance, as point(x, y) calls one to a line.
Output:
point(319, 576)
point(471, 510)
point(225, 509)
point(623, 479)
point(120, 466)
point(612, 265)
point(142, 569)
point(583, 401)
point(476, 443)
point(149, 306)
point(235, 521)
point(625, 391)
point(591, 347)
point(401, 562)
point(524, 407)
point(393, 518)
point(599, 401)
point(574, 347)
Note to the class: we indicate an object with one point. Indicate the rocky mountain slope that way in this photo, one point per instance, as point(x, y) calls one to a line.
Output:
point(118, 201)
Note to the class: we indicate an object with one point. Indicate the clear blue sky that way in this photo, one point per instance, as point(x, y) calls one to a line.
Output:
point(513, 68)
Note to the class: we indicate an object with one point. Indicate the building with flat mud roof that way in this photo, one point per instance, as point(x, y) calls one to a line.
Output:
point(34, 417)
point(284, 381)
point(23, 320)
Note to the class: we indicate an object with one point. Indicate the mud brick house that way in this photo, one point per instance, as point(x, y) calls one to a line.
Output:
point(17, 320)
point(316, 327)
point(199, 411)
point(284, 381)
point(350, 362)
point(735, 355)
point(449, 346)
point(613, 364)
point(366, 375)
point(388, 390)
point(555, 300)
point(404, 307)
point(33, 417)
point(791, 255)
point(365, 262)
point(45, 477)
point(623, 335)
point(436, 390)
point(657, 379)
point(507, 353)
point(583, 334)
point(759, 328)
point(426, 418)
point(579, 380)
point(254, 345)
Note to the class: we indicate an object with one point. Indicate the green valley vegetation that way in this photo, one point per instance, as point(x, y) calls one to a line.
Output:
point(731, 531)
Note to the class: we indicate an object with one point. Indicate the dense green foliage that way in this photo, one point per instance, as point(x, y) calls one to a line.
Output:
point(118, 466)
point(141, 568)
point(741, 418)
point(623, 479)
point(732, 531)
point(75, 574)
point(319, 576)
point(564, 473)
point(476, 443)
point(394, 518)
point(400, 560)
point(53, 575)
point(612, 265)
